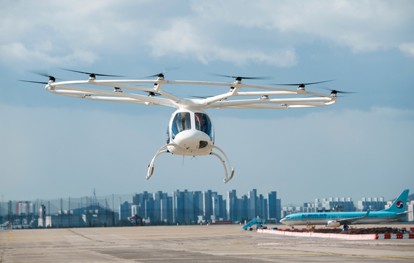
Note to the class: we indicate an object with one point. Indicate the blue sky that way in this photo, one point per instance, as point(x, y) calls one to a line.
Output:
point(53, 146)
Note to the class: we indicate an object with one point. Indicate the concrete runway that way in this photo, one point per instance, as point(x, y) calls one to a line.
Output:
point(225, 243)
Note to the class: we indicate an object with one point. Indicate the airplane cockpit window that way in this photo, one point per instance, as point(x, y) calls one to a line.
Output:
point(203, 123)
point(181, 122)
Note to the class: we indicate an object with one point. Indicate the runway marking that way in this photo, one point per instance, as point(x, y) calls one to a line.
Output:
point(86, 237)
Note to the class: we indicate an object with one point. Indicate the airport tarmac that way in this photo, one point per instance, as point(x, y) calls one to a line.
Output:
point(214, 243)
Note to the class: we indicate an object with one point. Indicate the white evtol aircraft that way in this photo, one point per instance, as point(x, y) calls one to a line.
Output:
point(190, 131)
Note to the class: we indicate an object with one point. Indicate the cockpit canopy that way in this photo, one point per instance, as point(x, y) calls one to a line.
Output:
point(186, 120)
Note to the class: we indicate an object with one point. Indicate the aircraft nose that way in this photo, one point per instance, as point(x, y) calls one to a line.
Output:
point(192, 140)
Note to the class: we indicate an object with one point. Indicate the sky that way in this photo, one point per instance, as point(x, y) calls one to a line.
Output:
point(363, 146)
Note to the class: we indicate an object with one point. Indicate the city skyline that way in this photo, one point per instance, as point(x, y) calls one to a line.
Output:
point(176, 208)
point(116, 199)
point(260, 191)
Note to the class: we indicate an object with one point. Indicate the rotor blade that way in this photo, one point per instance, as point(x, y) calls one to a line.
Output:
point(303, 84)
point(334, 91)
point(239, 77)
point(44, 74)
point(342, 92)
point(32, 81)
point(92, 73)
point(162, 73)
point(159, 75)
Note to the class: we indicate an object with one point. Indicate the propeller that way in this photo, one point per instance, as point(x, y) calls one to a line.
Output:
point(302, 85)
point(92, 74)
point(158, 75)
point(32, 81)
point(239, 78)
point(334, 92)
point(43, 74)
point(161, 74)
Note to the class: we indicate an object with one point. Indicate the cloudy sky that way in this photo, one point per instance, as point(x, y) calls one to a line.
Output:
point(53, 146)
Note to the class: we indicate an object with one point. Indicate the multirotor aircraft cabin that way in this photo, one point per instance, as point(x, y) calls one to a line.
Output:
point(190, 130)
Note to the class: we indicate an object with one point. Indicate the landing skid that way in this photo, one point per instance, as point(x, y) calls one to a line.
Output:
point(224, 162)
point(223, 158)
point(162, 150)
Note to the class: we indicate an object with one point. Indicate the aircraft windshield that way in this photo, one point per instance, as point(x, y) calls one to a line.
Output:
point(203, 123)
point(181, 122)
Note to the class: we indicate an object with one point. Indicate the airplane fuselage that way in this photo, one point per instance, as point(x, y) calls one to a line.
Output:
point(326, 218)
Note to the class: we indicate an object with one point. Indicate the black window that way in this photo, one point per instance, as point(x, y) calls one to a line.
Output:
point(181, 122)
point(203, 123)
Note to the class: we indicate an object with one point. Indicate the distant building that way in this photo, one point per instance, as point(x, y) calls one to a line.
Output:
point(252, 204)
point(24, 208)
point(331, 204)
point(65, 220)
point(410, 209)
point(287, 210)
point(42, 216)
point(218, 207)
point(231, 206)
point(340, 204)
point(125, 211)
point(274, 207)
point(90, 216)
point(371, 203)
point(178, 207)
point(207, 205)
point(262, 207)
point(198, 205)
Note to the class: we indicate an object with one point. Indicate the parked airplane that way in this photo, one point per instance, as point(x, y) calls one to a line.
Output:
point(336, 219)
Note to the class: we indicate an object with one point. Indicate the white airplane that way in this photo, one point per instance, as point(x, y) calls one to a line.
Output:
point(190, 130)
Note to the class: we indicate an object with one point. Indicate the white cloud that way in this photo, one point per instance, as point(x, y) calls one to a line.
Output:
point(184, 38)
point(20, 54)
point(241, 32)
point(359, 25)
point(68, 32)
point(408, 49)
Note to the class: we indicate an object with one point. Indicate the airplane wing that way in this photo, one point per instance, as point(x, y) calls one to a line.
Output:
point(349, 221)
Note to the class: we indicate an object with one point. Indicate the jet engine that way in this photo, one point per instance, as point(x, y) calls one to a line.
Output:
point(333, 223)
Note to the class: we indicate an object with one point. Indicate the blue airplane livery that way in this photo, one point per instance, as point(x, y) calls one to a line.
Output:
point(335, 219)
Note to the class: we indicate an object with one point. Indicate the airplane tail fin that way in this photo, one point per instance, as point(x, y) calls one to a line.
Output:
point(399, 204)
